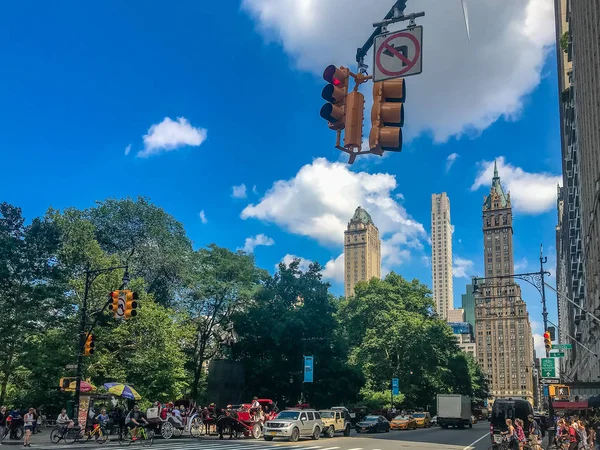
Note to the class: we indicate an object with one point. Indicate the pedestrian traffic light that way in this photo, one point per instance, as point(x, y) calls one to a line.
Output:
point(335, 93)
point(130, 304)
point(547, 341)
point(89, 345)
point(114, 302)
point(387, 116)
point(559, 390)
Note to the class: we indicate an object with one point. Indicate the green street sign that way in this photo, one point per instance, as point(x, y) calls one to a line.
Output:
point(548, 368)
point(557, 355)
point(562, 346)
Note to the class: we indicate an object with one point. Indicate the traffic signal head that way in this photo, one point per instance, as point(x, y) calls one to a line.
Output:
point(131, 304)
point(89, 345)
point(355, 107)
point(387, 116)
point(114, 302)
point(547, 341)
point(335, 93)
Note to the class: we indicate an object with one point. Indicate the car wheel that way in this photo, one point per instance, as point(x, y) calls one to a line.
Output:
point(295, 435)
point(316, 434)
point(387, 430)
point(347, 431)
point(470, 425)
point(330, 432)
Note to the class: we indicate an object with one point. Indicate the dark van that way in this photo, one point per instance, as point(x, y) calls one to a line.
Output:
point(517, 408)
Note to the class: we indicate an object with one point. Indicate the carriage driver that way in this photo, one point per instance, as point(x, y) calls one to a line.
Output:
point(255, 407)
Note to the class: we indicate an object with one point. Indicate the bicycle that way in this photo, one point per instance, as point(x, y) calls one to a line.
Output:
point(69, 435)
point(558, 444)
point(100, 436)
point(146, 437)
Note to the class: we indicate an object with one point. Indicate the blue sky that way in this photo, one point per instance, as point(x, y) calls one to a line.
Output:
point(181, 103)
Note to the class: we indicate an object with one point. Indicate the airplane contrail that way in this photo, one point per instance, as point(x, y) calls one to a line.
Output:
point(466, 16)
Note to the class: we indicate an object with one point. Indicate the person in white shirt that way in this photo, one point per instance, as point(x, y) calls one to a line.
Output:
point(28, 427)
point(64, 420)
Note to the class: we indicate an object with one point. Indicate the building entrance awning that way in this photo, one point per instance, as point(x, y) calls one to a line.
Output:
point(570, 405)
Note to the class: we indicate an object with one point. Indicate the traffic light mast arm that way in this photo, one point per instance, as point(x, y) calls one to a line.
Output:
point(569, 336)
point(571, 301)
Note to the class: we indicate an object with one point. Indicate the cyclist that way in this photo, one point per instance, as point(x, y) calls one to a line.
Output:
point(103, 420)
point(133, 420)
point(63, 420)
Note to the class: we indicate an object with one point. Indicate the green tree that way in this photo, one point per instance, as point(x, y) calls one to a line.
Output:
point(393, 333)
point(293, 315)
point(32, 284)
point(221, 283)
point(151, 241)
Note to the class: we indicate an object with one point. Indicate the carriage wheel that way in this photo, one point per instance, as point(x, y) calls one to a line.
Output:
point(256, 431)
point(196, 427)
point(166, 430)
point(178, 432)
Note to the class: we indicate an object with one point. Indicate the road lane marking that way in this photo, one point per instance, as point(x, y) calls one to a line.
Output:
point(333, 448)
point(472, 444)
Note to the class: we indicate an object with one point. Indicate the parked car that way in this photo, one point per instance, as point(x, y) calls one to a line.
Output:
point(373, 424)
point(434, 421)
point(403, 423)
point(293, 424)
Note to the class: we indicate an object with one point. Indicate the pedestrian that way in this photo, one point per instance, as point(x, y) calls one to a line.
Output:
point(28, 427)
point(2, 423)
point(592, 438)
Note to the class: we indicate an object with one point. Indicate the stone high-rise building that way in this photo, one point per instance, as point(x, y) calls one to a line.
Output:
point(362, 251)
point(441, 254)
point(578, 233)
point(502, 328)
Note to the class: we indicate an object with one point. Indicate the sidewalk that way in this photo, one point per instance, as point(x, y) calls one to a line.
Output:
point(38, 438)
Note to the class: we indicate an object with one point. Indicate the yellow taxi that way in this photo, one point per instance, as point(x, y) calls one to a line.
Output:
point(423, 419)
point(403, 423)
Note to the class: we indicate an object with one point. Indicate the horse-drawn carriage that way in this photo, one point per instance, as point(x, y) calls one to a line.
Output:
point(247, 420)
point(168, 424)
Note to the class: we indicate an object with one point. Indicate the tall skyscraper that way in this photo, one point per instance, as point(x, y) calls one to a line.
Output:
point(578, 231)
point(441, 254)
point(503, 331)
point(468, 305)
point(362, 251)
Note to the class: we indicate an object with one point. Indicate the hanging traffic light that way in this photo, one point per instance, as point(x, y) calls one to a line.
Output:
point(387, 116)
point(89, 345)
point(335, 93)
point(131, 304)
point(114, 302)
point(355, 106)
point(547, 341)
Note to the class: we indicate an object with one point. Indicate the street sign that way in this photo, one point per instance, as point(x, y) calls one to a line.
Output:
point(546, 391)
point(562, 346)
point(398, 54)
point(71, 366)
point(548, 367)
point(308, 369)
point(550, 380)
point(557, 355)
point(395, 386)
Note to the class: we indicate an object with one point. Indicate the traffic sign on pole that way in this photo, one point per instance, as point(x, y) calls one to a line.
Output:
point(557, 355)
point(550, 380)
point(562, 346)
point(548, 368)
point(395, 386)
point(398, 54)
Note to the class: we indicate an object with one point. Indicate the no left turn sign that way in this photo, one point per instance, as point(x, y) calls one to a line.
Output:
point(398, 54)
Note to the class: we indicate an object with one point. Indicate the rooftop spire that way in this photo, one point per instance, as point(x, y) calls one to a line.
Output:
point(495, 170)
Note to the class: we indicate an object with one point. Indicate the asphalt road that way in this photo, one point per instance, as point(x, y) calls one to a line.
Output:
point(476, 438)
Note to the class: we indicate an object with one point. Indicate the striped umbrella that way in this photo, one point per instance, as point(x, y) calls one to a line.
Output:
point(84, 387)
point(122, 390)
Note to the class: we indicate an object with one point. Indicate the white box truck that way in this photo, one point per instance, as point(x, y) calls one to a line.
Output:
point(454, 410)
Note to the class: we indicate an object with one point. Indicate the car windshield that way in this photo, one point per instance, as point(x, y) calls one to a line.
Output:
point(418, 415)
point(401, 418)
point(370, 419)
point(289, 415)
point(327, 414)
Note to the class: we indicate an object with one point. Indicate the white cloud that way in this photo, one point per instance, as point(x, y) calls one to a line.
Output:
point(462, 268)
point(170, 135)
point(239, 191)
point(530, 193)
point(254, 190)
point(202, 216)
point(460, 241)
point(287, 259)
point(321, 199)
point(256, 241)
point(400, 196)
point(521, 264)
point(127, 149)
point(334, 269)
point(426, 260)
point(460, 91)
point(452, 157)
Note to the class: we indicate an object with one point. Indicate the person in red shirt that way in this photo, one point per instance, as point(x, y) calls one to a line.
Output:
point(573, 435)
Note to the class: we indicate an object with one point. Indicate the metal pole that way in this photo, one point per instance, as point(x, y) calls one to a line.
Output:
point(544, 310)
point(80, 347)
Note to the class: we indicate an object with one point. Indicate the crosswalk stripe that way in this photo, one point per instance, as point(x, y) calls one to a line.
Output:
point(334, 448)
